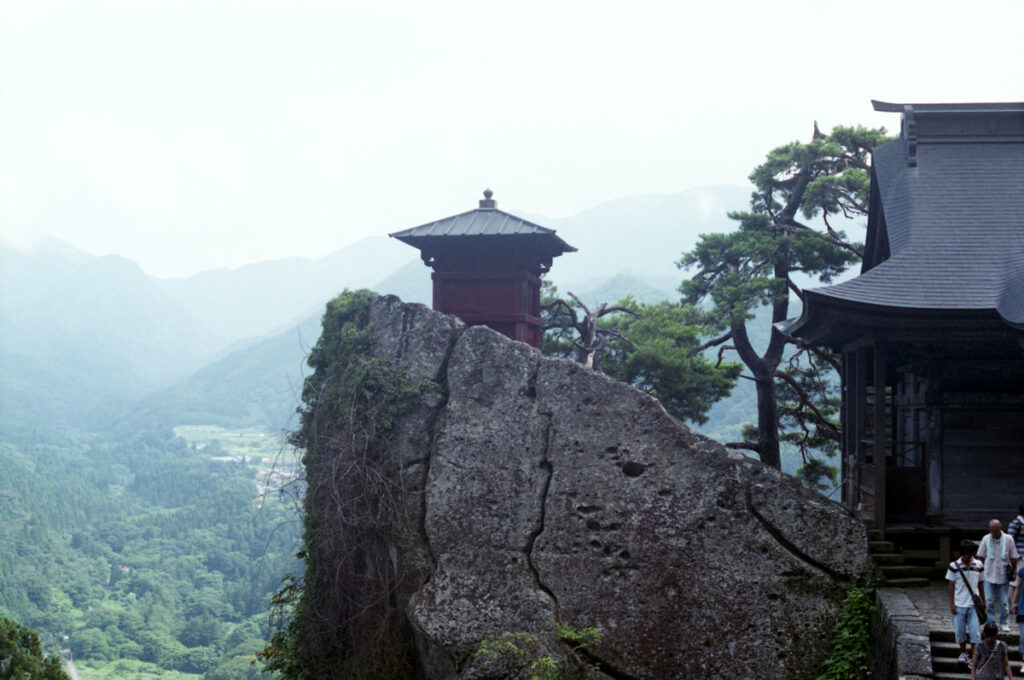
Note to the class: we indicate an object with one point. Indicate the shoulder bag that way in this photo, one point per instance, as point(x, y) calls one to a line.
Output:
point(979, 606)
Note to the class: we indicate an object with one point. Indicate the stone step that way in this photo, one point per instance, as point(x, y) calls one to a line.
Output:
point(951, 668)
point(891, 571)
point(881, 546)
point(948, 664)
point(942, 648)
point(909, 582)
point(875, 535)
point(966, 674)
point(887, 558)
point(946, 635)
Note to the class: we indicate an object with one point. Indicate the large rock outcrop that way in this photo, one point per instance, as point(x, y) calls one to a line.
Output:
point(539, 490)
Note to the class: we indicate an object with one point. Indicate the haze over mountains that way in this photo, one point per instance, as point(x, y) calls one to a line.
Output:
point(86, 337)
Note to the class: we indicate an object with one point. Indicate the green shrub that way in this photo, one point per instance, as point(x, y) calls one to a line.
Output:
point(851, 638)
point(543, 667)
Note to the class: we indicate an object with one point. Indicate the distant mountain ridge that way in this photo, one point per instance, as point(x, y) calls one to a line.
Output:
point(81, 334)
point(644, 234)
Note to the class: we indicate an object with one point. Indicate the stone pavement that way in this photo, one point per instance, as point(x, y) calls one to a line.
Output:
point(933, 604)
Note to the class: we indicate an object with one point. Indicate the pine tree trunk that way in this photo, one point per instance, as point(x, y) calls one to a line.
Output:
point(763, 372)
point(768, 421)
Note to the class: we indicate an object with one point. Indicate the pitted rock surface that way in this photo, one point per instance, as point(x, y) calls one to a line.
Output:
point(540, 489)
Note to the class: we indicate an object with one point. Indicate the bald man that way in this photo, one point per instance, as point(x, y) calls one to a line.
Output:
point(999, 553)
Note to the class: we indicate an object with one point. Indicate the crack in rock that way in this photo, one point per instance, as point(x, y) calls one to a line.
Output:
point(434, 427)
point(546, 466)
point(791, 547)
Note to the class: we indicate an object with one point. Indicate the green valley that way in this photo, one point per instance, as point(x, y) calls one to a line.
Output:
point(151, 557)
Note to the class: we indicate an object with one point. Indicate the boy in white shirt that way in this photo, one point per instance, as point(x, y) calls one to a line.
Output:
point(964, 576)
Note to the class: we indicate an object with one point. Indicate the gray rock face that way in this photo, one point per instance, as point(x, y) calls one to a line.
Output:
point(541, 490)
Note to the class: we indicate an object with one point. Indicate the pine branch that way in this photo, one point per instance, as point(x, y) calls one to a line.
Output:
point(749, 446)
point(826, 357)
point(833, 239)
point(711, 343)
point(793, 287)
point(814, 414)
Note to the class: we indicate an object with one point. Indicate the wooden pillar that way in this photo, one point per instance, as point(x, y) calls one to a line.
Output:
point(844, 404)
point(880, 445)
point(933, 462)
point(859, 429)
point(848, 447)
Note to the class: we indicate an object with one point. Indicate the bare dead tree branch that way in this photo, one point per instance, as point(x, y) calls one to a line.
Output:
point(592, 339)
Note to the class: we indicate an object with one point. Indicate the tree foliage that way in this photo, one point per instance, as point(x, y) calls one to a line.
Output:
point(139, 549)
point(664, 359)
point(21, 655)
point(765, 259)
point(654, 347)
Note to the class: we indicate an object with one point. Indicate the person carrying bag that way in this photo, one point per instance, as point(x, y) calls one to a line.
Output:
point(966, 599)
point(991, 656)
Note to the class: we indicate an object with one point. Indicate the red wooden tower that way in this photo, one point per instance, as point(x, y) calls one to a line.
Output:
point(487, 265)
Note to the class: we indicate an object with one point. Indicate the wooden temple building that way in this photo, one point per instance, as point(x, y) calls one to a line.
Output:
point(931, 332)
point(487, 265)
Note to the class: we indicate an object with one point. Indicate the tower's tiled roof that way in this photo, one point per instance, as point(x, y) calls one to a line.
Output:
point(485, 221)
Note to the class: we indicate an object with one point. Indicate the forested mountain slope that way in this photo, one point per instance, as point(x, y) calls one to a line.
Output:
point(145, 549)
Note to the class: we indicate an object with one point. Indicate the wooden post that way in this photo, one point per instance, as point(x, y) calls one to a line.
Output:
point(849, 430)
point(859, 415)
point(880, 446)
point(933, 463)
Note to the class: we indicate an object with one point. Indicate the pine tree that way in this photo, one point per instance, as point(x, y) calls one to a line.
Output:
point(21, 655)
point(756, 265)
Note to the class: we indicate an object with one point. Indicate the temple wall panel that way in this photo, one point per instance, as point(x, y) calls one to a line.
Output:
point(983, 463)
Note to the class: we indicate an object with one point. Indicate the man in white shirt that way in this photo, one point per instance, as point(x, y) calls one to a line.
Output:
point(999, 553)
point(964, 576)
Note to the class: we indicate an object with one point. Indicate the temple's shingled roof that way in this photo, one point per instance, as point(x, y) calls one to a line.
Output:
point(952, 205)
point(485, 221)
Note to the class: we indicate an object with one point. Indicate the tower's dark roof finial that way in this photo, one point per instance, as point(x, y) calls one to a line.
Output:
point(487, 201)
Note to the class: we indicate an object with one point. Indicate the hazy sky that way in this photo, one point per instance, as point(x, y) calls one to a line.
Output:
point(202, 133)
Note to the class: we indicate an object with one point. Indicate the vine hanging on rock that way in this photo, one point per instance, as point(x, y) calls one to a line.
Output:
point(343, 620)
